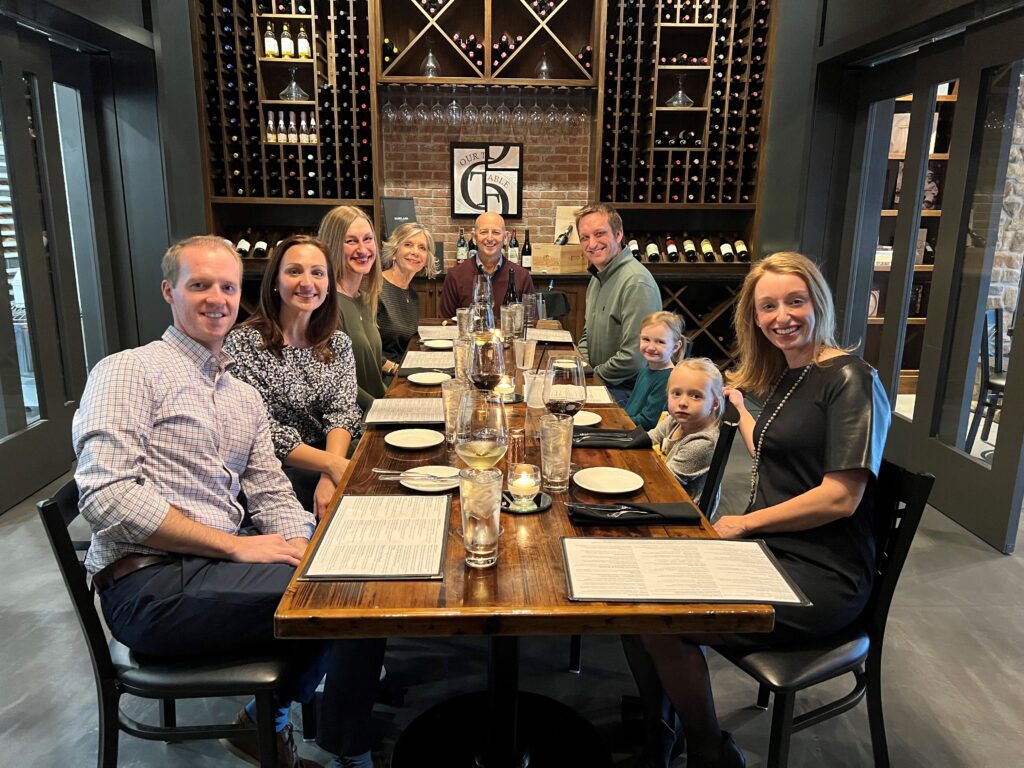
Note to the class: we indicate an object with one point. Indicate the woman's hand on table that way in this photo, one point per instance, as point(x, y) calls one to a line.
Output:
point(322, 496)
point(732, 526)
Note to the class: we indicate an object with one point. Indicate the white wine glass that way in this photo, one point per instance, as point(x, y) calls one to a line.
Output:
point(481, 432)
point(565, 388)
point(488, 118)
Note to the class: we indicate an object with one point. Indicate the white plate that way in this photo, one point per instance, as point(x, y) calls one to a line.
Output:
point(413, 438)
point(433, 486)
point(586, 419)
point(438, 344)
point(608, 480)
point(428, 378)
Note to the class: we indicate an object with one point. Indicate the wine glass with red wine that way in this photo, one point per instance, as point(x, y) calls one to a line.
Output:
point(565, 388)
point(486, 361)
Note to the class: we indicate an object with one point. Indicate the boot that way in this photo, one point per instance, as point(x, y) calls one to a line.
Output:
point(725, 755)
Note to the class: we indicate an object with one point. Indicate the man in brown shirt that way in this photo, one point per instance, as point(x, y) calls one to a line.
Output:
point(489, 234)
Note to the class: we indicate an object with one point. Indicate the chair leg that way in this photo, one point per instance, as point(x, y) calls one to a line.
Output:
point(763, 696)
point(309, 719)
point(782, 729)
point(990, 416)
point(168, 716)
point(575, 653)
point(972, 431)
point(109, 730)
point(265, 730)
point(876, 718)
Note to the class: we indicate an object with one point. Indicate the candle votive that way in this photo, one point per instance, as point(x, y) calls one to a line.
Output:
point(523, 486)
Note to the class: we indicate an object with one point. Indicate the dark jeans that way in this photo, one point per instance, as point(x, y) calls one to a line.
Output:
point(196, 606)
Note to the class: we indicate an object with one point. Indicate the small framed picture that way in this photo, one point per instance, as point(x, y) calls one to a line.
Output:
point(486, 177)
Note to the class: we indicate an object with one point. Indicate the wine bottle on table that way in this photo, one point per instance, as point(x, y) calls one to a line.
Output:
point(527, 252)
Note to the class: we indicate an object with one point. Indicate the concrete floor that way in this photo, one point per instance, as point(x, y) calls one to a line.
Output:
point(954, 668)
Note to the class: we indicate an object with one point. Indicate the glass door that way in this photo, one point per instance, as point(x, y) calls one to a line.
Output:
point(936, 251)
point(42, 367)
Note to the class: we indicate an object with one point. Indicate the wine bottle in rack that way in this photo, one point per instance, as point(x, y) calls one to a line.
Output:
point(389, 52)
point(689, 250)
point(302, 46)
point(634, 248)
point(311, 131)
point(259, 250)
point(287, 45)
point(651, 250)
point(271, 128)
point(742, 254)
point(671, 249)
point(727, 252)
point(271, 50)
point(707, 250)
point(282, 129)
point(293, 130)
point(242, 248)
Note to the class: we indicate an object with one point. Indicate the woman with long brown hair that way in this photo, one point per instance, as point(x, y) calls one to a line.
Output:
point(292, 352)
point(816, 447)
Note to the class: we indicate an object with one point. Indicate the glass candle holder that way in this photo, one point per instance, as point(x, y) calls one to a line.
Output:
point(523, 487)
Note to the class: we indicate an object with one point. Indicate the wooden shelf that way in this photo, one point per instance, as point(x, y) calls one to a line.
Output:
point(917, 268)
point(910, 320)
point(925, 214)
point(934, 156)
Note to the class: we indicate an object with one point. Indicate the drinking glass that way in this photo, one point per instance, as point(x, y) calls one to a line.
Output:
point(405, 112)
point(481, 317)
point(480, 500)
point(565, 389)
point(482, 289)
point(481, 437)
point(555, 450)
point(503, 115)
point(463, 351)
point(388, 112)
point(422, 112)
point(438, 115)
point(523, 486)
point(524, 349)
point(470, 114)
point(452, 392)
point(486, 361)
point(462, 318)
point(520, 117)
point(453, 113)
point(508, 323)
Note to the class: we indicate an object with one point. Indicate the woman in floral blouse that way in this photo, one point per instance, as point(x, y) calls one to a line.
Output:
point(291, 351)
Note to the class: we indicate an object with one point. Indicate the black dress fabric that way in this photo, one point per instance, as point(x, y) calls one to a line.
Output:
point(837, 419)
point(398, 314)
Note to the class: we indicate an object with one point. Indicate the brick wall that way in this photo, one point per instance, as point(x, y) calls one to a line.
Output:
point(416, 162)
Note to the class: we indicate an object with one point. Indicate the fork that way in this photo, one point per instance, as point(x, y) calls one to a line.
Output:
point(392, 475)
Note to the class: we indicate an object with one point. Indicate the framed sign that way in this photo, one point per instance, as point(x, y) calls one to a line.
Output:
point(486, 177)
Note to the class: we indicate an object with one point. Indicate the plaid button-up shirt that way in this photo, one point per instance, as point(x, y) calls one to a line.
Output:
point(166, 425)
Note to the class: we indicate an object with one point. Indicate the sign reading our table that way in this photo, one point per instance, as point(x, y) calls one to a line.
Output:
point(487, 177)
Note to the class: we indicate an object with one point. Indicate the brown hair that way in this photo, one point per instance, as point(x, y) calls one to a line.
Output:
point(761, 363)
point(170, 264)
point(673, 322)
point(399, 236)
point(333, 228)
point(614, 219)
point(267, 318)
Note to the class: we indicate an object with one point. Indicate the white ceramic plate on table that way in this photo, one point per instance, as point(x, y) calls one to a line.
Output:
point(586, 419)
point(438, 344)
point(433, 486)
point(414, 439)
point(608, 480)
point(428, 378)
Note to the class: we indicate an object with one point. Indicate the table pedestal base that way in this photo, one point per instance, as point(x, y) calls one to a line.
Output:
point(549, 735)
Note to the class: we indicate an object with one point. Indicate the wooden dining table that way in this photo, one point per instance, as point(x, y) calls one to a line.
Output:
point(525, 593)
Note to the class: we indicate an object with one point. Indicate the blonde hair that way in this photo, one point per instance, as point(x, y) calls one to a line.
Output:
point(333, 228)
point(170, 264)
point(761, 363)
point(399, 236)
point(673, 322)
point(708, 368)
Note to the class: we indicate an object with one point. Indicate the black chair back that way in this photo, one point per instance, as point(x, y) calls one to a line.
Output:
point(57, 514)
point(713, 481)
point(900, 499)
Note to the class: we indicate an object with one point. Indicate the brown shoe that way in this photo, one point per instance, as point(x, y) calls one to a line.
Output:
point(246, 746)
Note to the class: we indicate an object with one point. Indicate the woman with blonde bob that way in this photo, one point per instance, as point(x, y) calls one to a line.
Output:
point(408, 251)
point(816, 447)
point(349, 236)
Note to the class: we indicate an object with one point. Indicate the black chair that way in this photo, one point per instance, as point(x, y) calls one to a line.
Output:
point(993, 376)
point(118, 671)
point(900, 498)
point(716, 471)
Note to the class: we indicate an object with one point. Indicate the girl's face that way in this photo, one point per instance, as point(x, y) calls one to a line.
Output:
point(658, 344)
point(691, 400)
point(304, 278)
point(360, 247)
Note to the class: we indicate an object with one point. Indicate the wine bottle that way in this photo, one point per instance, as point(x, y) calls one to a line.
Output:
point(460, 247)
point(634, 248)
point(287, 44)
point(513, 249)
point(293, 131)
point(707, 250)
point(652, 250)
point(741, 251)
point(270, 47)
point(671, 249)
point(282, 129)
point(689, 250)
point(727, 252)
point(563, 239)
point(302, 43)
point(271, 129)
point(242, 248)
point(303, 129)
point(511, 294)
point(311, 131)
point(259, 251)
point(527, 252)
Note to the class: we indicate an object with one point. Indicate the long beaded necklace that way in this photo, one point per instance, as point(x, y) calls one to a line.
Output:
point(760, 440)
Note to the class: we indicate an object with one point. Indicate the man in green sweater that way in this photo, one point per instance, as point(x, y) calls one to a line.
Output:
point(621, 293)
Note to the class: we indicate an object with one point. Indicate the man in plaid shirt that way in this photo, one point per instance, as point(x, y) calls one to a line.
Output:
point(166, 439)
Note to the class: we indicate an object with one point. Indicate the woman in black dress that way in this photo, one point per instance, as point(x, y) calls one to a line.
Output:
point(816, 450)
point(409, 250)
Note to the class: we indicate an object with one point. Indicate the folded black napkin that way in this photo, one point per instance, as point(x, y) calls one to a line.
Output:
point(590, 437)
point(676, 513)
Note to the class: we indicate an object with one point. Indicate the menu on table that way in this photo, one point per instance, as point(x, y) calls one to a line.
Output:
point(371, 537)
point(599, 395)
point(427, 332)
point(676, 570)
point(549, 334)
point(417, 359)
point(403, 410)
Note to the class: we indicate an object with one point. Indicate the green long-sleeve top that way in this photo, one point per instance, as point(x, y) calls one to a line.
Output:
point(649, 397)
point(618, 298)
point(357, 322)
